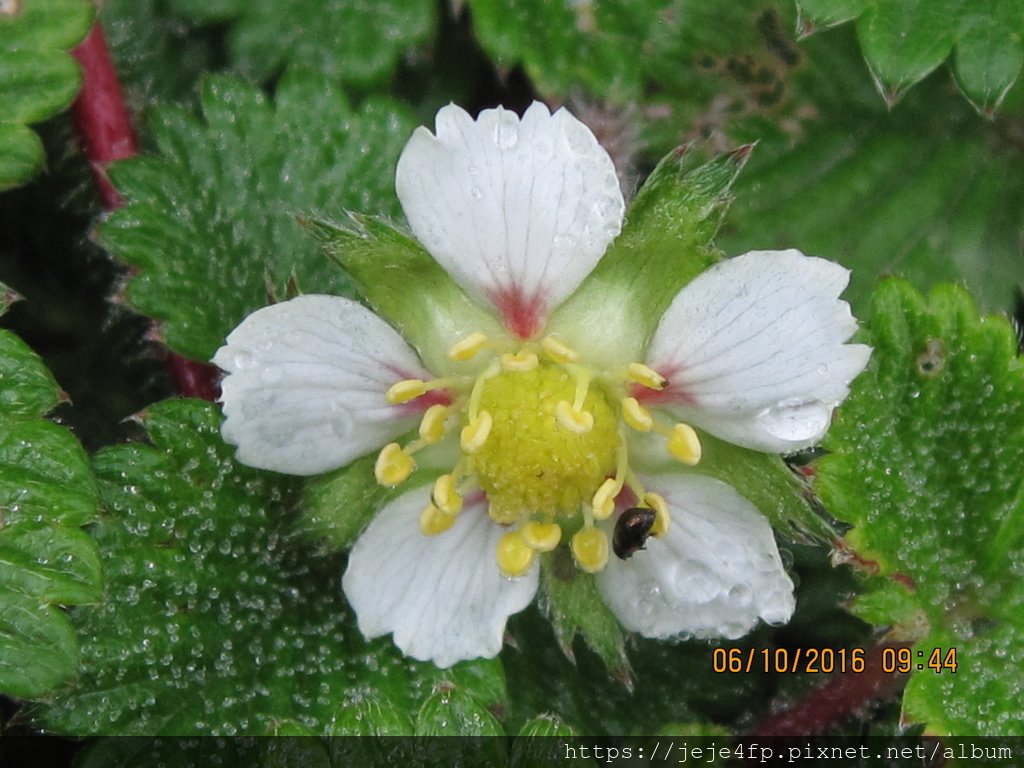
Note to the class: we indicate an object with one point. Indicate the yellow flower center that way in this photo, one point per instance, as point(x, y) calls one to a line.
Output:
point(530, 461)
point(543, 436)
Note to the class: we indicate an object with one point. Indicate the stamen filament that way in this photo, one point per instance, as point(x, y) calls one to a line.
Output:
point(490, 372)
point(604, 500)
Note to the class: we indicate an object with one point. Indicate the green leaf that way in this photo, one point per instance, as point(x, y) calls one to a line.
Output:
point(925, 465)
point(211, 221)
point(359, 43)
point(905, 40)
point(38, 78)
point(665, 243)
point(46, 491)
point(216, 619)
point(925, 192)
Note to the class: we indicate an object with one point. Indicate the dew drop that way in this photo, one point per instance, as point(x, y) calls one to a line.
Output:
point(475, 193)
point(244, 359)
point(796, 419)
point(508, 134)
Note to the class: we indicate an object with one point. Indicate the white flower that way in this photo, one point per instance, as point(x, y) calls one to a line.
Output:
point(548, 426)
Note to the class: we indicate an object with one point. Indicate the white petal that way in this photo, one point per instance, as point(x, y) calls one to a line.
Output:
point(754, 350)
point(714, 573)
point(306, 383)
point(518, 211)
point(442, 596)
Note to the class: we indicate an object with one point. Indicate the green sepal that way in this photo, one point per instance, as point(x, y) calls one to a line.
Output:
point(370, 716)
point(403, 283)
point(665, 242)
point(574, 605)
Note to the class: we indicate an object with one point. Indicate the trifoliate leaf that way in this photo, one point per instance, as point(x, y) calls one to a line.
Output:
point(905, 40)
point(925, 464)
point(46, 492)
point(38, 77)
point(159, 56)
point(216, 618)
point(352, 40)
point(211, 221)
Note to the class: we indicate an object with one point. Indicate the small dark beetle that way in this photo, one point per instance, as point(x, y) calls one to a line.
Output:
point(631, 531)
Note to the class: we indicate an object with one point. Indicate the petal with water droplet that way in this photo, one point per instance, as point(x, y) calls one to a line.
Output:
point(714, 574)
point(306, 384)
point(755, 350)
point(442, 596)
point(518, 211)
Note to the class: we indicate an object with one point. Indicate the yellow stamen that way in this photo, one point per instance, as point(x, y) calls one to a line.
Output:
point(558, 351)
point(684, 444)
point(662, 520)
point(490, 372)
point(446, 495)
point(635, 415)
point(590, 548)
point(604, 499)
point(432, 424)
point(393, 465)
point(406, 390)
point(474, 434)
point(520, 361)
point(502, 515)
point(541, 537)
point(578, 421)
point(434, 521)
point(645, 376)
point(467, 348)
point(514, 555)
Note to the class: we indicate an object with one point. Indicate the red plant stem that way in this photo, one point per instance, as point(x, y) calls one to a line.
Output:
point(106, 134)
point(841, 696)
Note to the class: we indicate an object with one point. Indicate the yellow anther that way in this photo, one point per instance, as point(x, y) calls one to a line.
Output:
point(502, 515)
point(635, 415)
point(466, 348)
point(662, 520)
point(645, 376)
point(684, 444)
point(520, 361)
point(446, 495)
point(590, 548)
point(393, 465)
point(434, 521)
point(474, 434)
point(541, 537)
point(406, 390)
point(515, 556)
point(432, 424)
point(558, 351)
point(573, 419)
point(604, 499)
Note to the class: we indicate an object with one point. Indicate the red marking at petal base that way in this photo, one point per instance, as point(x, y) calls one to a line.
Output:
point(433, 397)
point(667, 396)
point(521, 314)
